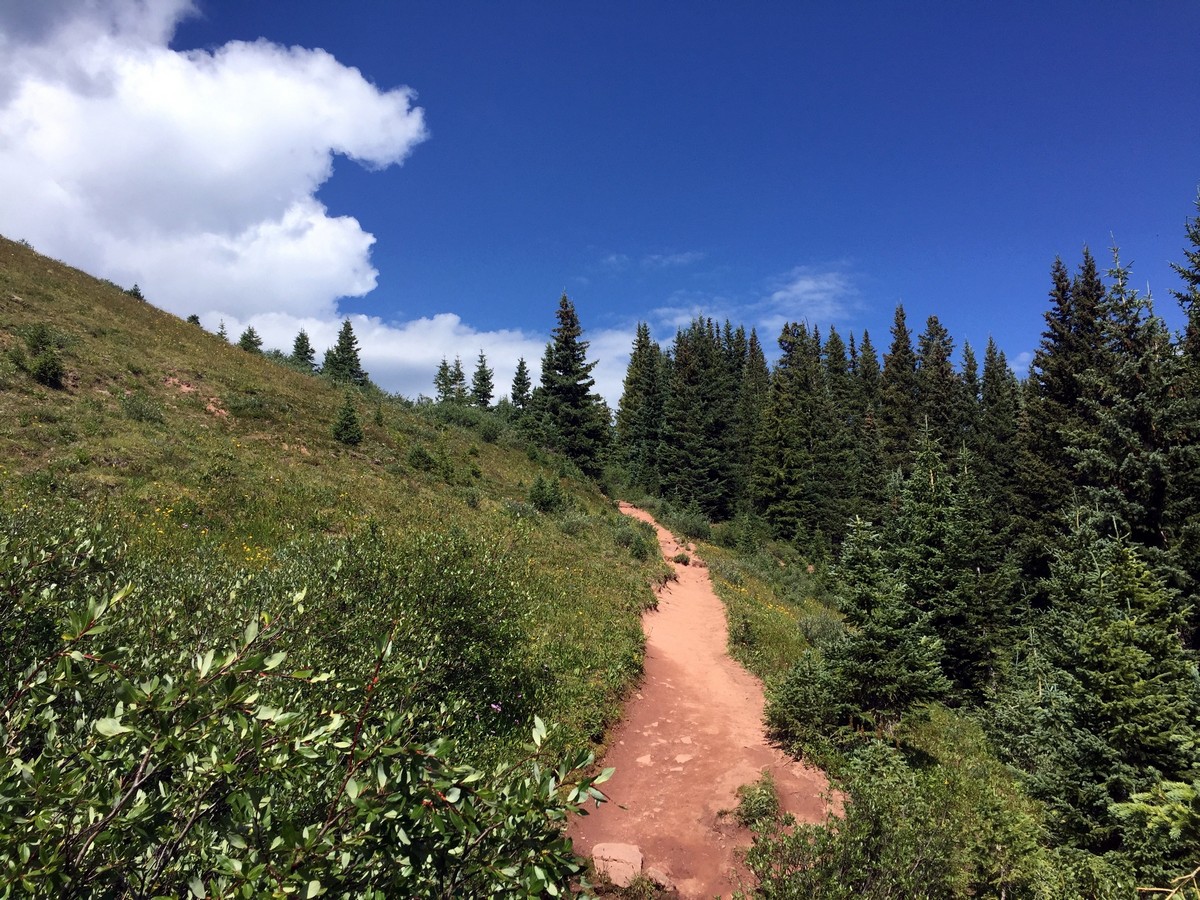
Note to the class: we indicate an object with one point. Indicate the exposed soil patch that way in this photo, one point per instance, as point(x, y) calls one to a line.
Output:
point(690, 736)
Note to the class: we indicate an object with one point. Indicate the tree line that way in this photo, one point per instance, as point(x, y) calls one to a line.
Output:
point(1024, 550)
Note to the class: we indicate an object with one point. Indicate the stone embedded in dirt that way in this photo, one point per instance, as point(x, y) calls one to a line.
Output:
point(660, 879)
point(619, 863)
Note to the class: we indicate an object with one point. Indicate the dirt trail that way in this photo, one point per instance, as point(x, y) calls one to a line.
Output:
point(690, 736)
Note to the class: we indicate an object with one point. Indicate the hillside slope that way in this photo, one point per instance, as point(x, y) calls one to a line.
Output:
point(411, 566)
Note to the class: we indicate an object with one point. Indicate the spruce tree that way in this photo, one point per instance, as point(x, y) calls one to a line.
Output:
point(342, 362)
point(639, 414)
point(748, 421)
point(574, 419)
point(521, 385)
point(481, 383)
point(346, 428)
point(696, 448)
point(303, 355)
point(891, 658)
point(937, 387)
point(250, 341)
point(898, 395)
point(458, 383)
point(1118, 446)
point(443, 383)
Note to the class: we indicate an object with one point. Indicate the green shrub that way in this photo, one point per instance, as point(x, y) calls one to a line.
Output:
point(46, 368)
point(489, 431)
point(139, 406)
point(224, 774)
point(546, 495)
point(421, 459)
point(681, 558)
point(757, 802)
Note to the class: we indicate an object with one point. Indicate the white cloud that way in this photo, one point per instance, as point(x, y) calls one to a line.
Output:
point(403, 357)
point(195, 173)
point(671, 260)
point(818, 296)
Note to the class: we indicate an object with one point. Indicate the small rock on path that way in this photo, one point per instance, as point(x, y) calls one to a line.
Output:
point(689, 738)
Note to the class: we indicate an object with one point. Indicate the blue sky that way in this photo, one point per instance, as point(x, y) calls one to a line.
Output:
point(761, 161)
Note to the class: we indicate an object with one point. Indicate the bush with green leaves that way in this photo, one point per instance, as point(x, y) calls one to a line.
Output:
point(227, 772)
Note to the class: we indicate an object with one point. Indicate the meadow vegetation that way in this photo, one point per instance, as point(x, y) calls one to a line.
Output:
point(250, 655)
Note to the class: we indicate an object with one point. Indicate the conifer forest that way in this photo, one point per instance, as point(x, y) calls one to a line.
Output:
point(1014, 566)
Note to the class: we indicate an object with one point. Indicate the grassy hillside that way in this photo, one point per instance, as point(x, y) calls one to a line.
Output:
point(207, 477)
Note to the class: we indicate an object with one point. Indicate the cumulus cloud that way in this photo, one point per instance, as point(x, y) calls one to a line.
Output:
point(194, 174)
point(403, 356)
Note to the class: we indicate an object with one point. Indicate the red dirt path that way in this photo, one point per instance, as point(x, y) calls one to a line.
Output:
point(690, 736)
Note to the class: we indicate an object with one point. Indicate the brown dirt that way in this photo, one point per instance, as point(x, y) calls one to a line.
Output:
point(690, 736)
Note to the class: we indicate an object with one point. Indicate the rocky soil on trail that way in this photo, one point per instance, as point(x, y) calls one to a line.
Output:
point(690, 736)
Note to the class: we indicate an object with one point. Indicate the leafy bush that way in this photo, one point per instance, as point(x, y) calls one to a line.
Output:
point(681, 558)
point(489, 430)
point(219, 775)
point(638, 537)
point(757, 802)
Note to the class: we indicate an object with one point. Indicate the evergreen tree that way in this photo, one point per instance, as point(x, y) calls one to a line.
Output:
point(696, 447)
point(222, 333)
point(937, 387)
point(458, 383)
point(481, 383)
point(1118, 445)
point(898, 407)
point(891, 658)
point(574, 420)
point(346, 428)
point(443, 383)
point(639, 415)
point(521, 385)
point(193, 319)
point(303, 354)
point(994, 439)
point(748, 421)
point(1072, 345)
point(250, 341)
point(342, 362)
point(1182, 515)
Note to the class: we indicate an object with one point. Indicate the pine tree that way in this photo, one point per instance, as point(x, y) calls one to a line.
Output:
point(1118, 445)
point(521, 385)
point(443, 383)
point(1072, 345)
point(458, 383)
point(898, 408)
point(303, 354)
point(342, 362)
point(639, 414)
point(222, 333)
point(193, 319)
point(250, 341)
point(1182, 422)
point(891, 658)
point(937, 387)
point(696, 449)
point(574, 419)
point(347, 429)
point(748, 422)
point(481, 383)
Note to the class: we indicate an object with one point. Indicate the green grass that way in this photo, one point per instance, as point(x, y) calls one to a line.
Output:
point(198, 453)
